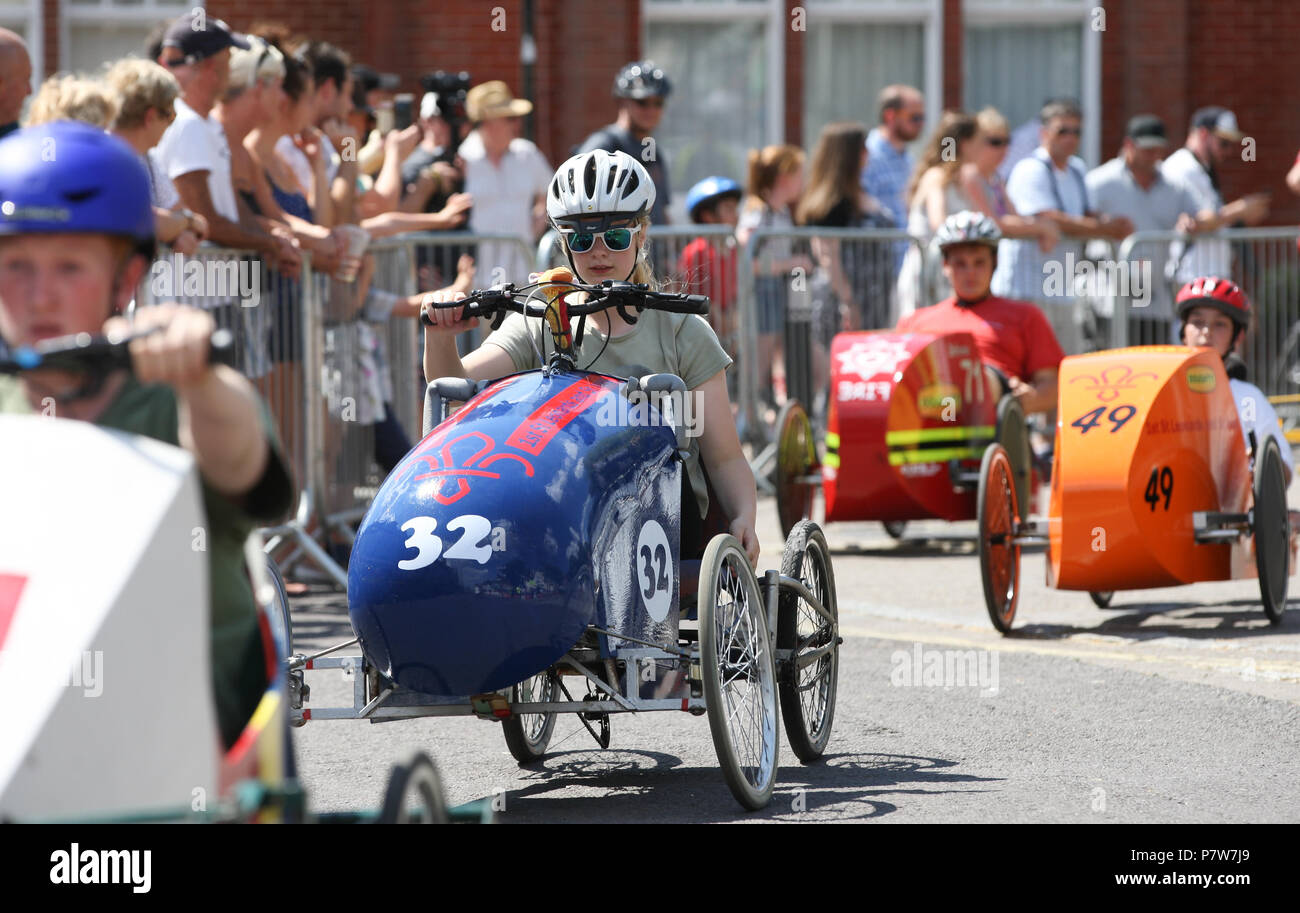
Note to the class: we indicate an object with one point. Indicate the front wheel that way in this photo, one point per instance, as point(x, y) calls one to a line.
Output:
point(414, 794)
point(1272, 529)
point(998, 514)
point(738, 671)
point(528, 734)
point(796, 462)
point(808, 679)
point(1101, 598)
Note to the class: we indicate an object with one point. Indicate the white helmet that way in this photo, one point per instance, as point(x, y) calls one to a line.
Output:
point(597, 190)
point(968, 227)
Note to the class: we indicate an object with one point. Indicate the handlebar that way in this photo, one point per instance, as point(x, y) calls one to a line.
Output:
point(99, 355)
point(493, 303)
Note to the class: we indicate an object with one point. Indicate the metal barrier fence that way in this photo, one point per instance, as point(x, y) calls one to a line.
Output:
point(341, 372)
point(1265, 262)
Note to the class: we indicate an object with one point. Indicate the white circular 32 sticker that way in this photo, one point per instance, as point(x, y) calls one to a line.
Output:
point(654, 570)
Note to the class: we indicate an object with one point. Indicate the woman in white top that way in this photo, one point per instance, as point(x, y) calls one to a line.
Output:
point(933, 194)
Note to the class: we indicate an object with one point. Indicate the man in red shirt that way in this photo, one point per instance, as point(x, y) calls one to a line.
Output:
point(1013, 337)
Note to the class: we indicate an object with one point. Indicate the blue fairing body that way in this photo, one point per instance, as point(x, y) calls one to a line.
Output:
point(511, 527)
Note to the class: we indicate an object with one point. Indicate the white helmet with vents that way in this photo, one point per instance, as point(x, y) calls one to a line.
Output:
point(598, 190)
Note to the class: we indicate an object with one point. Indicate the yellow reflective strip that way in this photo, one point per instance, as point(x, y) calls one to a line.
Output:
point(832, 460)
point(832, 439)
point(899, 457)
point(924, 435)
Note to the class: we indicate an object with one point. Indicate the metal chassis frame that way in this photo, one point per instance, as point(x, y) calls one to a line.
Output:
point(388, 705)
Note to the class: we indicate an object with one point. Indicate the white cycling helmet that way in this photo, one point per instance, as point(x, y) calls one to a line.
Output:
point(968, 227)
point(598, 190)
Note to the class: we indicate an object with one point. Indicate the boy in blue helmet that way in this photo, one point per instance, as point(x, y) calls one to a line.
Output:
point(76, 237)
point(708, 264)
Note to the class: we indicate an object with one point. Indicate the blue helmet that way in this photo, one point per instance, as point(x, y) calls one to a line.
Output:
point(708, 190)
point(67, 176)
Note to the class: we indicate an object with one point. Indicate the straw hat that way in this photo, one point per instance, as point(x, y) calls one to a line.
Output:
point(494, 99)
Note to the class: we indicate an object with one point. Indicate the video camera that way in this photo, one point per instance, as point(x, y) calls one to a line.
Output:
point(451, 89)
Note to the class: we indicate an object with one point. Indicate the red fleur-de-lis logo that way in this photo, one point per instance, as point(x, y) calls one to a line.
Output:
point(1113, 381)
point(442, 466)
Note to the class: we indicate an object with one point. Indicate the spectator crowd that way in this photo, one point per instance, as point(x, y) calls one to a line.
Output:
point(284, 149)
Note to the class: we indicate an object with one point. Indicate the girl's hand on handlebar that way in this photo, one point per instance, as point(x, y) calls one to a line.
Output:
point(445, 320)
point(748, 539)
point(178, 354)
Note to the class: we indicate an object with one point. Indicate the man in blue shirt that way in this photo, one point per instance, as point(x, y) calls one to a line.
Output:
point(889, 166)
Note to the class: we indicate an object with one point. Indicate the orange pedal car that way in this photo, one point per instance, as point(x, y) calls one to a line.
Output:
point(1152, 486)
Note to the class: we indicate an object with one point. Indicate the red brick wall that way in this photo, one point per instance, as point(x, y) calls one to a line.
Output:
point(1170, 57)
point(794, 64)
point(580, 47)
point(952, 55)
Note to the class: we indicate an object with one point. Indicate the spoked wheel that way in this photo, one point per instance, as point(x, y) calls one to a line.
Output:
point(528, 734)
point(1102, 598)
point(998, 514)
point(1013, 435)
point(282, 621)
point(807, 681)
point(739, 673)
point(895, 528)
point(796, 461)
point(1272, 531)
point(414, 794)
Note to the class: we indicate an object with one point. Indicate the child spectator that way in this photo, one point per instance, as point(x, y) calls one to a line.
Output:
point(705, 269)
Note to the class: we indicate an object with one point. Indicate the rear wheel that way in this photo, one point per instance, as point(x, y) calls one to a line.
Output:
point(414, 794)
point(528, 734)
point(895, 528)
point(998, 515)
point(1013, 435)
point(281, 619)
point(796, 460)
point(807, 681)
point(739, 673)
point(1102, 598)
point(1272, 527)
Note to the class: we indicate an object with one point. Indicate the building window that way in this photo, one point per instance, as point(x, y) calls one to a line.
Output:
point(95, 32)
point(1018, 53)
point(725, 58)
point(854, 48)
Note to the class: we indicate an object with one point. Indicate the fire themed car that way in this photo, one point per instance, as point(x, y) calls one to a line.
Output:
point(911, 417)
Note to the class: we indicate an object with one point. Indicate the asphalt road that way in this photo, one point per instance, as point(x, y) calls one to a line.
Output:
point(1176, 705)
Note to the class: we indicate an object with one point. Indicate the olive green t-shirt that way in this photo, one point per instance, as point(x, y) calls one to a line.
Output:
point(238, 663)
point(659, 342)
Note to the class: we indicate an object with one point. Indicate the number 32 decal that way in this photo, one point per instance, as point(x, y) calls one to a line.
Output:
point(472, 544)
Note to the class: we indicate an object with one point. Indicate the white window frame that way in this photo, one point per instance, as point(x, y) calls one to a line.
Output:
point(146, 12)
point(929, 13)
point(1056, 12)
point(708, 11)
point(30, 14)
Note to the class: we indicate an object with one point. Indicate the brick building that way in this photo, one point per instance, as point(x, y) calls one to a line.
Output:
point(750, 72)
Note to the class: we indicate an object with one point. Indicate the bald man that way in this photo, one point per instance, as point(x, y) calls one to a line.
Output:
point(15, 80)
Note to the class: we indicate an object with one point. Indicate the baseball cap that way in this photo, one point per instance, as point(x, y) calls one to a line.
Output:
point(1146, 131)
point(1220, 121)
point(199, 37)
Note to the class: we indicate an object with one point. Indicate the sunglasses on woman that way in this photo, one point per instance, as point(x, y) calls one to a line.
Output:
point(616, 239)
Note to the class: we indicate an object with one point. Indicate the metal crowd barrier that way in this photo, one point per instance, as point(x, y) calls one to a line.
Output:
point(1265, 262)
point(798, 288)
point(331, 376)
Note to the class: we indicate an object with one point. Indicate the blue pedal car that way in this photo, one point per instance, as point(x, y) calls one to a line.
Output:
point(528, 548)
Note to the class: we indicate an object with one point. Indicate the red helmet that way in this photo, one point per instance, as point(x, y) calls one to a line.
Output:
point(1221, 294)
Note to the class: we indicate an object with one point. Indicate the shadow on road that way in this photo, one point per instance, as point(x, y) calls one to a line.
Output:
point(651, 786)
point(1136, 622)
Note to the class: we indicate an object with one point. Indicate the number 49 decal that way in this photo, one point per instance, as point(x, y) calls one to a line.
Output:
point(473, 544)
point(1117, 417)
